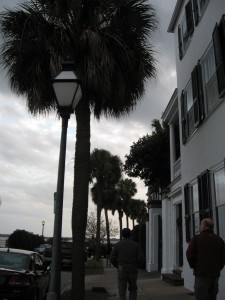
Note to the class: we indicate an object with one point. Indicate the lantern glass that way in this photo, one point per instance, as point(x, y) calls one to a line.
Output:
point(67, 89)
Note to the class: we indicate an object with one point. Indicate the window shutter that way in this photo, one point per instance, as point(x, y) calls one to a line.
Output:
point(205, 199)
point(222, 35)
point(180, 43)
point(200, 92)
point(189, 18)
point(187, 212)
point(183, 116)
point(194, 81)
point(197, 90)
point(218, 41)
point(196, 11)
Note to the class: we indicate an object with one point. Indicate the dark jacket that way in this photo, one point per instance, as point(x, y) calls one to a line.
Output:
point(206, 254)
point(127, 255)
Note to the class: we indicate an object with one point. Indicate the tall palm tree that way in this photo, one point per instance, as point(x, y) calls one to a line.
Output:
point(109, 42)
point(127, 189)
point(117, 206)
point(133, 210)
point(122, 194)
point(106, 170)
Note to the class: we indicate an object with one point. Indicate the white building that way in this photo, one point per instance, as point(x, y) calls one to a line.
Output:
point(197, 111)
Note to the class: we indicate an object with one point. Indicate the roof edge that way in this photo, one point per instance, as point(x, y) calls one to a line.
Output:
point(175, 16)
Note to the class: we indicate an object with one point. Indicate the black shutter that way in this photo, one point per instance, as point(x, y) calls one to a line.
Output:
point(194, 81)
point(189, 18)
point(187, 212)
point(183, 104)
point(180, 43)
point(197, 90)
point(205, 199)
point(196, 11)
point(200, 92)
point(222, 35)
point(218, 41)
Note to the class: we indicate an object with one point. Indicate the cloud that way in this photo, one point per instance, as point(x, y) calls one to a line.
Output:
point(29, 148)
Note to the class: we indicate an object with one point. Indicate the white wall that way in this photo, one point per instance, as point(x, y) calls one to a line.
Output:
point(207, 146)
point(153, 230)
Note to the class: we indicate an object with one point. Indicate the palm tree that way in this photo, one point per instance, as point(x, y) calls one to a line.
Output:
point(106, 170)
point(109, 42)
point(127, 189)
point(133, 210)
point(117, 206)
point(121, 195)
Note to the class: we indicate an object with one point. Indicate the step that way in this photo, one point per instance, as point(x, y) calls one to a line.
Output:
point(177, 273)
point(173, 279)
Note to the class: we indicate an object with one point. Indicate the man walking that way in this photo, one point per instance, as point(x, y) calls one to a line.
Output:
point(127, 256)
point(206, 255)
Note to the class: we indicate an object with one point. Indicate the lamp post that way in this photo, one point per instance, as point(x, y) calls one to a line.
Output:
point(43, 225)
point(68, 93)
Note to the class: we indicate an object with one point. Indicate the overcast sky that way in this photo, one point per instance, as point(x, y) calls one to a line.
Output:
point(29, 147)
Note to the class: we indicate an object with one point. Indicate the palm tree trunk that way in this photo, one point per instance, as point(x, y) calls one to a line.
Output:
point(107, 227)
point(99, 209)
point(120, 222)
point(80, 198)
point(127, 221)
point(107, 236)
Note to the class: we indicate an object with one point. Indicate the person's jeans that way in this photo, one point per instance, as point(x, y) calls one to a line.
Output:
point(129, 279)
point(206, 288)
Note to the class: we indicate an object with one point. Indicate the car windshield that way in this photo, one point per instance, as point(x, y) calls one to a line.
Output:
point(15, 261)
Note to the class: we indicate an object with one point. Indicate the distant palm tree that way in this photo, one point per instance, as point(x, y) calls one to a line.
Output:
point(133, 210)
point(106, 171)
point(117, 206)
point(127, 189)
point(109, 42)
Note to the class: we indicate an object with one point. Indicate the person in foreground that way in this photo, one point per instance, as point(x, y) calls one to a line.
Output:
point(127, 257)
point(206, 255)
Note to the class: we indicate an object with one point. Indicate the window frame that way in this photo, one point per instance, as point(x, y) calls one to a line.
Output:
point(218, 205)
point(198, 9)
point(204, 205)
point(185, 29)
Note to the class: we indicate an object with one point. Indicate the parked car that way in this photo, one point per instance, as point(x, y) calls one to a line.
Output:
point(66, 253)
point(40, 249)
point(23, 275)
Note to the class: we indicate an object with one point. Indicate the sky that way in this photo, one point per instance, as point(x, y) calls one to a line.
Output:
point(29, 146)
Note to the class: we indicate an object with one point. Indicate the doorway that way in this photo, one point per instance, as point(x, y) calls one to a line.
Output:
point(179, 233)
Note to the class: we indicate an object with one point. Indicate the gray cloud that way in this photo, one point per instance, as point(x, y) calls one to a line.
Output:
point(29, 147)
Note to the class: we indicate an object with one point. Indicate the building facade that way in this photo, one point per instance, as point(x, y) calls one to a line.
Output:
point(196, 116)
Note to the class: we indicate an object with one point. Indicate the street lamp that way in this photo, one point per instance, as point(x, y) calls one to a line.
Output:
point(43, 225)
point(68, 93)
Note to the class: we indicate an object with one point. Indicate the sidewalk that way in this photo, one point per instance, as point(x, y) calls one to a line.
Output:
point(150, 286)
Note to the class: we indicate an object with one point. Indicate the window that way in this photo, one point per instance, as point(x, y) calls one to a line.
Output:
point(38, 263)
point(198, 204)
point(195, 208)
point(190, 109)
point(188, 112)
point(185, 29)
point(207, 85)
point(219, 188)
point(204, 198)
point(199, 7)
point(210, 79)
point(219, 50)
point(192, 214)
